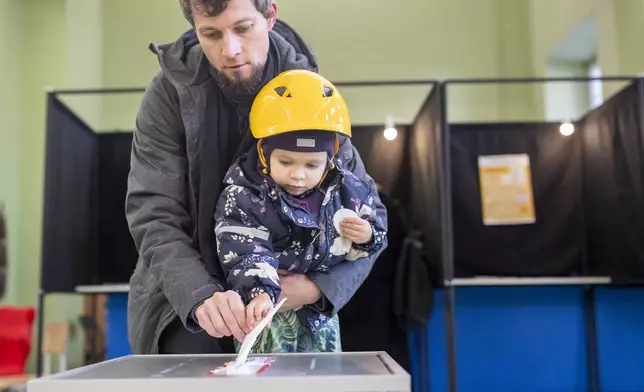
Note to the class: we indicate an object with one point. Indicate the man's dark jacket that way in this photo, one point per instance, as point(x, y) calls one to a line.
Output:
point(188, 132)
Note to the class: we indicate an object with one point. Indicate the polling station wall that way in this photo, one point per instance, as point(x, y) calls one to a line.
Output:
point(586, 210)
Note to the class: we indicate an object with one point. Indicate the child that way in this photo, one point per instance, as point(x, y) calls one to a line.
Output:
point(289, 206)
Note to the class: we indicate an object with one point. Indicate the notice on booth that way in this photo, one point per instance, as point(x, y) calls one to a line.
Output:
point(506, 190)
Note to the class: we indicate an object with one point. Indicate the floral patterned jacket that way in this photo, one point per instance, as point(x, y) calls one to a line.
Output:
point(260, 228)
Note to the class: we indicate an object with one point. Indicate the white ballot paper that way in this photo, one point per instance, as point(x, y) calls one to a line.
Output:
point(240, 365)
point(253, 366)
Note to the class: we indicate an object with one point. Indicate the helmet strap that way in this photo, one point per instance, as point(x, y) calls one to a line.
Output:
point(262, 158)
point(336, 148)
point(331, 164)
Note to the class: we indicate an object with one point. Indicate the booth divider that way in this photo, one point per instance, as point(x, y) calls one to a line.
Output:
point(573, 268)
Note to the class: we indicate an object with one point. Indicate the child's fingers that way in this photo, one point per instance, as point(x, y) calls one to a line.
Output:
point(351, 233)
point(258, 313)
point(352, 220)
point(358, 228)
point(250, 315)
point(348, 223)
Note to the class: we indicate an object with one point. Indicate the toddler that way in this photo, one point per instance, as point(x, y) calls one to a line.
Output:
point(290, 207)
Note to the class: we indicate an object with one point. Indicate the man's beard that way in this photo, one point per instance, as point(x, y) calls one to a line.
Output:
point(239, 85)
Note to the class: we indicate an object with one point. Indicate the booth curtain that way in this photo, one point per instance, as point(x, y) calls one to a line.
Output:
point(613, 141)
point(69, 243)
point(117, 254)
point(553, 245)
point(419, 264)
point(382, 158)
point(423, 180)
point(588, 194)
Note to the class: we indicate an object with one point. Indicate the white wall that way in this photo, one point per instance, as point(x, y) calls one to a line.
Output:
point(551, 21)
point(566, 101)
point(620, 26)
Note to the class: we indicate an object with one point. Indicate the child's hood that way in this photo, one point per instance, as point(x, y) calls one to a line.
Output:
point(245, 172)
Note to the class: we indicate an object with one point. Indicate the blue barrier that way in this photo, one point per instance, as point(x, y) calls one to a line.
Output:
point(509, 339)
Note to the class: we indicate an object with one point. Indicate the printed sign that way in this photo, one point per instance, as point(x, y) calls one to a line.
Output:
point(506, 190)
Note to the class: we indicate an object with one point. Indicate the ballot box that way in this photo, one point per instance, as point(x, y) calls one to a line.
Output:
point(314, 372)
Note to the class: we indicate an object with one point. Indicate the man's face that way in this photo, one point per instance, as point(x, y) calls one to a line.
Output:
point(236, 41)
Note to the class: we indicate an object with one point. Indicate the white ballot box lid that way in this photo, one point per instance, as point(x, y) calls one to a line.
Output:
point(315, 372)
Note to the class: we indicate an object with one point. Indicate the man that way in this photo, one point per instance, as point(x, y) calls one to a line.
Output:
point(192, 124)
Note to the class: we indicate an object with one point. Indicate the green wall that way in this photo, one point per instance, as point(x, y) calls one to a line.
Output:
point(10, 14)
point(33, 40)
point(84, 55)
point(428, 39)
point(630, 31)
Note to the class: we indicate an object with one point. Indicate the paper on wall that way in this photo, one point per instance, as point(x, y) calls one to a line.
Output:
point(506, 190)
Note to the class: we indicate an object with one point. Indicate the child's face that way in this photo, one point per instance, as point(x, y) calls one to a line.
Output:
point(297, 172)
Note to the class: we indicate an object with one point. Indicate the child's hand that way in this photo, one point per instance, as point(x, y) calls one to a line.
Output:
point(257, 309)
point(357, 230)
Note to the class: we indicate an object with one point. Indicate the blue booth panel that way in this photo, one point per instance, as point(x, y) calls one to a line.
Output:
point(508, 339)
point(512, 339)
point(620, 330)
point(116, 340)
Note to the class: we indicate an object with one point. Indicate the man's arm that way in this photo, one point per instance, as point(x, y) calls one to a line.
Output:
point(157, 203)
point(342, 281)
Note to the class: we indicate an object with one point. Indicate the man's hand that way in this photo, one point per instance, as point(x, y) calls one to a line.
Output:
point(298, 289)
point(257, 309)
point(223, 314)
point(357, 230)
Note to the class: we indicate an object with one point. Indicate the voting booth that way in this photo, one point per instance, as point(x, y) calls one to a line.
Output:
point(528, 219)
point(541, 251)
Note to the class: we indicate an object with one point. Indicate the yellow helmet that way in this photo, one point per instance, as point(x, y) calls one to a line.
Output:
point(298, 100)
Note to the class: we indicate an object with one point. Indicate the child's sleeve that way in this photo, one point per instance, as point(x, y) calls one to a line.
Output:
point(244, 245)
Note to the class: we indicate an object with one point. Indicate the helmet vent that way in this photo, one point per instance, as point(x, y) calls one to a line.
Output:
point(280, 90)
point(328, 91)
